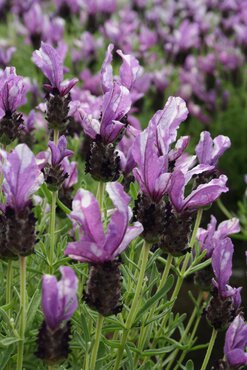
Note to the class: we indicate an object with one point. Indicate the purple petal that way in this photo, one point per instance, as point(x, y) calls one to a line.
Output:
point(116, 103)
point(86, 250)
point(167, 122)
point(107, 71)
point(209, 151)
point(131, 233)
point(235, 342)
point(228, 227)
point(50, 63)
point(129, 69)
point(59, 151)
point(206, 194)
point(22, 176)
point(67, 289)
point(72, 171)
point(50, 300)
point(66, 86)
point(86, 212)
point(119, 220)
point(222, 262)
point(177, 189)
point(180, 146)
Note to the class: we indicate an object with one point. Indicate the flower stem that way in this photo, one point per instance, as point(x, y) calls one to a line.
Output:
point(20, 348)
point(187, 329)
point(98, 330)
point(146, 330)
point(52, 230)
point(9, 285)
point(209, 350)
point(100, 195)
point(133, 309)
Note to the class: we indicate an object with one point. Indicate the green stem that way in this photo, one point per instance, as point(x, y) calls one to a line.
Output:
point(223, 209)
point(98, 330)
point(9, 285)
point(52, 230)
point(20, 347)
point(146, 330)
point(134, 306)
point(209, 350)
point(187, 329)
point(180, 278)
point(56, 136)
point(100, 195)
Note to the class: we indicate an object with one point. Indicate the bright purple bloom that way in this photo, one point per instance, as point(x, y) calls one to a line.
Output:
point(13, 90)
point(22, 177)
point(236, 343)
point(59, 151)
point(125, 149)
point(59, 300)
point(116, 104)
point(209, 237)
point(70, 168)
point(6, 53)
point(202, 196)
point(210, 150)
point(96, 246)
point(50, 61)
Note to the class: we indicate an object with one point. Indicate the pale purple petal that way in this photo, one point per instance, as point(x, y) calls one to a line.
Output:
point(129, 69)
point(50, 300)
point(180, 146)
point(51, 64)
point(177, 189)
point(236, 342)
point(22, 176)
point(131, 233)
point(167, 122)
point(206, 194)
point(59, 151)
point(222, 262)
point(71, 169)
point(86, 251)
point(107, 71)
point(208, 150)
point(67, 288)
point(228, 227)
point(86, 212)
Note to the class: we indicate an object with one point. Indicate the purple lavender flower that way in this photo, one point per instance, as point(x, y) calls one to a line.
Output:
point(59, 299)
point(13, 92)
point(71, 169)
point(95, 246)
point(22, 177)
point(202, 196)
point(100, 249)
point(59, 302)
point(51, 64)
point(59, 151)
point(6, 53)
point(236, 343)
point(207, 238)
point(226, 300)
point(209, 150)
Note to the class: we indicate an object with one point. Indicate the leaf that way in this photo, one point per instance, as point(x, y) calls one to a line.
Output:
point(5, 356)
point(157, 296)
point(46, 192)
point(8, 341)
point(63, 207)
point(133, 190)
point(32, 308)
point(188, 366)
point(157, 352)
point(130, 358)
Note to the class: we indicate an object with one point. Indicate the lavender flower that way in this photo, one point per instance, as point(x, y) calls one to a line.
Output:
point(209, 150)
point(236, 343)
point(50, 61)
point(100, 249)
point(55, 174)
point(6, 53)
point(59, 302)
point(22, 178)
point(13, 91)
point(226, 301)
point(51, 64)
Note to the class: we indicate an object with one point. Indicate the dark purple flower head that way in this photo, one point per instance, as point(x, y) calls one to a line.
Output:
point(208, 238)
point(209, 150)
point(13, 90)
point(236, 343)
point(202, 196)
point(96, 246)
point(59, 300)
point(50, 61)
point(59, 151)
point(22, 177)
point(116, 104)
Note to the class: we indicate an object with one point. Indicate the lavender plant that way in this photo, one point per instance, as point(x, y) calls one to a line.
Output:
point(102, 221)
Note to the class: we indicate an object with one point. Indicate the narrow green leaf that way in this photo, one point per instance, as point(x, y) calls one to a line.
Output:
point(8, 341)
point(157, 296)
point(32, 308)
point(63, 207)
point(157, 352)
point(188, 366)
